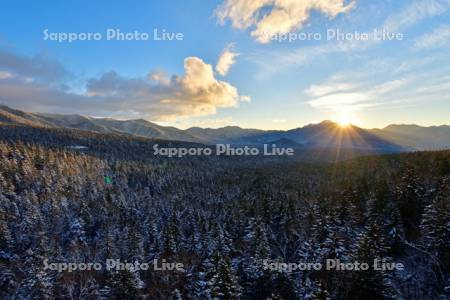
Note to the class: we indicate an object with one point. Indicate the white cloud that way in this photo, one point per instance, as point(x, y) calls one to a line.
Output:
point(5, 75)
point(415, 12)
point(389, 86)
point(226, 60)
point(160, 77)
point(245, 99)
point(196, 93)
point(328, 88)
point(362, 89)
point(410, 14)
point(340, 101)
point(242, 13)
point(440, 36)
point(283, 16)
point(340, 94)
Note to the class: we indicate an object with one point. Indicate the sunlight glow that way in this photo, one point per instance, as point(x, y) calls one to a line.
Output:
point(345, 119)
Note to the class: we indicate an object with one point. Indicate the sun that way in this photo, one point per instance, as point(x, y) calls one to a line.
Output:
point(345, 120)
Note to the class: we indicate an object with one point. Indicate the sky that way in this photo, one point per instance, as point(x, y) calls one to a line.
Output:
point(269, 64)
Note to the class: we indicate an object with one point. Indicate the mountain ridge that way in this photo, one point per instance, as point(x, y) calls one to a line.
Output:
point(326, 134)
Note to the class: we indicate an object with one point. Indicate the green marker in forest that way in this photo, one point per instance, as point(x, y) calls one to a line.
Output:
point(108, 180)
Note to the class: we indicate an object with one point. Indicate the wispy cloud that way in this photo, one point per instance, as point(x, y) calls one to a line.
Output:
point(347, 96)
point(341, 101)
point(415, 12)
point(389, 86)
point(440, 36)
point(226, 60)
point(332, 87)
point(369, 88)
point(272, 61)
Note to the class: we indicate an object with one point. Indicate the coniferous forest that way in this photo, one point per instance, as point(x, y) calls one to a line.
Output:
point(223, 218)
point(225, 150)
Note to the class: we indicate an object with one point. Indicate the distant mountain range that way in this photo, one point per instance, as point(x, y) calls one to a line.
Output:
point(327, 134)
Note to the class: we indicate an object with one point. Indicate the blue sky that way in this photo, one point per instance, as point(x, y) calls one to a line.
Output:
point(260, 83)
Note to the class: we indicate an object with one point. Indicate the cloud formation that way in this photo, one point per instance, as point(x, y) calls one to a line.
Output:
point(156, 96)
point(341, 98)
point(226, 60)
point(409, 15)
point(38, 67)
point(341, 101)
point(325, 89)
point(415, 12)
point(345, 96)
point(283, 16)
point(5, 75)
point(440, 36)
point(392, 84)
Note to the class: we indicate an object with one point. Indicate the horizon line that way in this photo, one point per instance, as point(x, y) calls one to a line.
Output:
point(226, 126)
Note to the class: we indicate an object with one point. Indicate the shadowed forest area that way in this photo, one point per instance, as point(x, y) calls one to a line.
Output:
point(223, 218)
